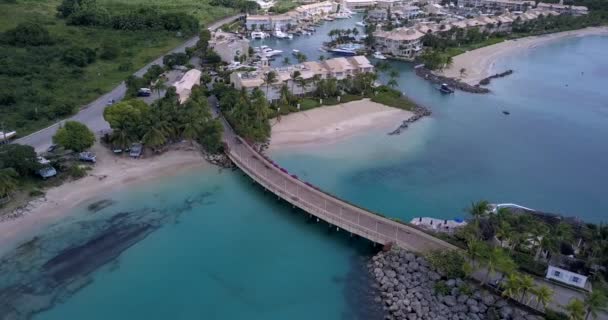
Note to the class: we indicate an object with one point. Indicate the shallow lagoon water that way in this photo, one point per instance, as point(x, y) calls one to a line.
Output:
point(222, 248)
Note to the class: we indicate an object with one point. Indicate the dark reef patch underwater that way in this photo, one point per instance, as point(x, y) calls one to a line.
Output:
point(51, 267)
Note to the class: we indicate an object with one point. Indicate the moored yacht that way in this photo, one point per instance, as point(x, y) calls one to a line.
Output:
point(259, 35)
point(378, 55)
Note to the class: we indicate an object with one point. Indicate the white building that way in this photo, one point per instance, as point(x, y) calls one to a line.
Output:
point(560, 8)
point(359, 5)
point(271, 22)
point(498, 5)
point(315, 10)
point(183, 87)
point(338, 68)
point(402, 43)
point(229, 45)
point(567, 277)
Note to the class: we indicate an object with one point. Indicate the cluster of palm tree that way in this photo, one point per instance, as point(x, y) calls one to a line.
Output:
point(593, 303)
point(248, 113)
point(339, 36)
point(522, 288)
point(164, 122)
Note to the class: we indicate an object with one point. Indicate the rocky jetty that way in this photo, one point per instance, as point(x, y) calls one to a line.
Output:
point(410, 288)
point(219, 160)
point(453, 83)
point(486, 81)
point(419, 112)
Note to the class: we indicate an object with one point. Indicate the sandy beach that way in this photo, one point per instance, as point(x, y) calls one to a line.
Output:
point(480, 63)
point(110, 173)
point(333, 123)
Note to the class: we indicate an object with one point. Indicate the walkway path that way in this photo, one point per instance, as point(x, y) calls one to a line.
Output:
point(92, 114)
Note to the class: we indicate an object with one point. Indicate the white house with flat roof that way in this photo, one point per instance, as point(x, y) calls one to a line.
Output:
point(183, 87)
point(567, 277)
point(229, 45)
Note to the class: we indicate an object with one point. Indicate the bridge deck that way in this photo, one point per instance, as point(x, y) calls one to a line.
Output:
point(326, 207)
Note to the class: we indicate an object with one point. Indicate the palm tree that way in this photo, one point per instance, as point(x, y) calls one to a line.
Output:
point(393, 74)
point(476, 250)
point(392, 83)
point(159, 85)
point(479, 209)
point(526, 283)
point(121, 138)
point(8, 181)
point(576, 309)
point(269, 78)
point(512, 286)
point(494, 261)
point(286, 60)
point(154, 138)
point(594, 302)
point(544, 295)
point(294, 77)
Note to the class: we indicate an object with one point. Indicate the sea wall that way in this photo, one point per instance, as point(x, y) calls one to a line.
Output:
point(407, 289)
point(454, 83)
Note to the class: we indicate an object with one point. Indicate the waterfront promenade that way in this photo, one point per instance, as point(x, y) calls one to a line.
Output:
point(337, 212)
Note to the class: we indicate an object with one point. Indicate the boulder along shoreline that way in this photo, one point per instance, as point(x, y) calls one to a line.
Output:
point(407, 286)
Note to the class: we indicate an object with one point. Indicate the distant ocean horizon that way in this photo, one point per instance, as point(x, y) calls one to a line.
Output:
point(210, 244)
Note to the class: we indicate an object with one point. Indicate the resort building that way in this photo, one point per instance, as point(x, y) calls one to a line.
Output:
point(561, 8)
point(271, 22)
point(498, 5)
point(385, 4)
point(359, 5)
point(401, 43)
point(408, 12)
point(183, 87)
point(229, 45)
point(314, 10)
point(338, 68)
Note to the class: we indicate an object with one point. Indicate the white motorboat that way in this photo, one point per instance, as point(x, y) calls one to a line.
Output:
point(361, 24)
point(378, 55)
point(282, 35)
point(295, 52)
point(259, 35)
point(342, 15)
point(269, 52)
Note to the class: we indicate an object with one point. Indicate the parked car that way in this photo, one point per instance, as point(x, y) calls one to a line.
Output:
point(111, 102)
point(51, 148)
point(87, 156)
point(47, 172)
point(144, 92)
point(136, 150)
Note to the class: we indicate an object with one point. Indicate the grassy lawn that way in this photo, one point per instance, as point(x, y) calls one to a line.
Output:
point(198, 8)
point(50, 80)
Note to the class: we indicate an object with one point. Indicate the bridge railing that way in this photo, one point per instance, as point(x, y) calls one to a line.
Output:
point(373, 235)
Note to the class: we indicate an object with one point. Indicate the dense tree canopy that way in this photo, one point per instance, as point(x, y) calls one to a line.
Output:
point(21, 158)
point(75, 136)
point(28, 34)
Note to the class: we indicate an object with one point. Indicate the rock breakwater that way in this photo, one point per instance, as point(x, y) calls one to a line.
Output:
point(419, 112)
point(453, 83)
point(410, 288)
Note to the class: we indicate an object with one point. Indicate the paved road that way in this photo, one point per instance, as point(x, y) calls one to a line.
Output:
point(92, 114)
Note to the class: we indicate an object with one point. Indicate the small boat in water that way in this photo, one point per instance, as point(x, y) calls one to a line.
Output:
point(505, 112)
point(444, 88)
point(378, 55)
point(259, 35)
point(342, 15)
point(343, 52)
point(295, 52)
point(361, 24)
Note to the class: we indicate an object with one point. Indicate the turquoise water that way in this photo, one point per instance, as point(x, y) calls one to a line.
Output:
point(216, 246)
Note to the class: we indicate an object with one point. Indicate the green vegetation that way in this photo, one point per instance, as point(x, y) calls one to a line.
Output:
point(53, 62)
point(393, 98)
point(444, 46)
point(74, 136)
point(283, 6)
point(450, 263)
point(165, 121)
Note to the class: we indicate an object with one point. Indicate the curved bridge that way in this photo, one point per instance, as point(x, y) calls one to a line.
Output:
point(324, 206)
